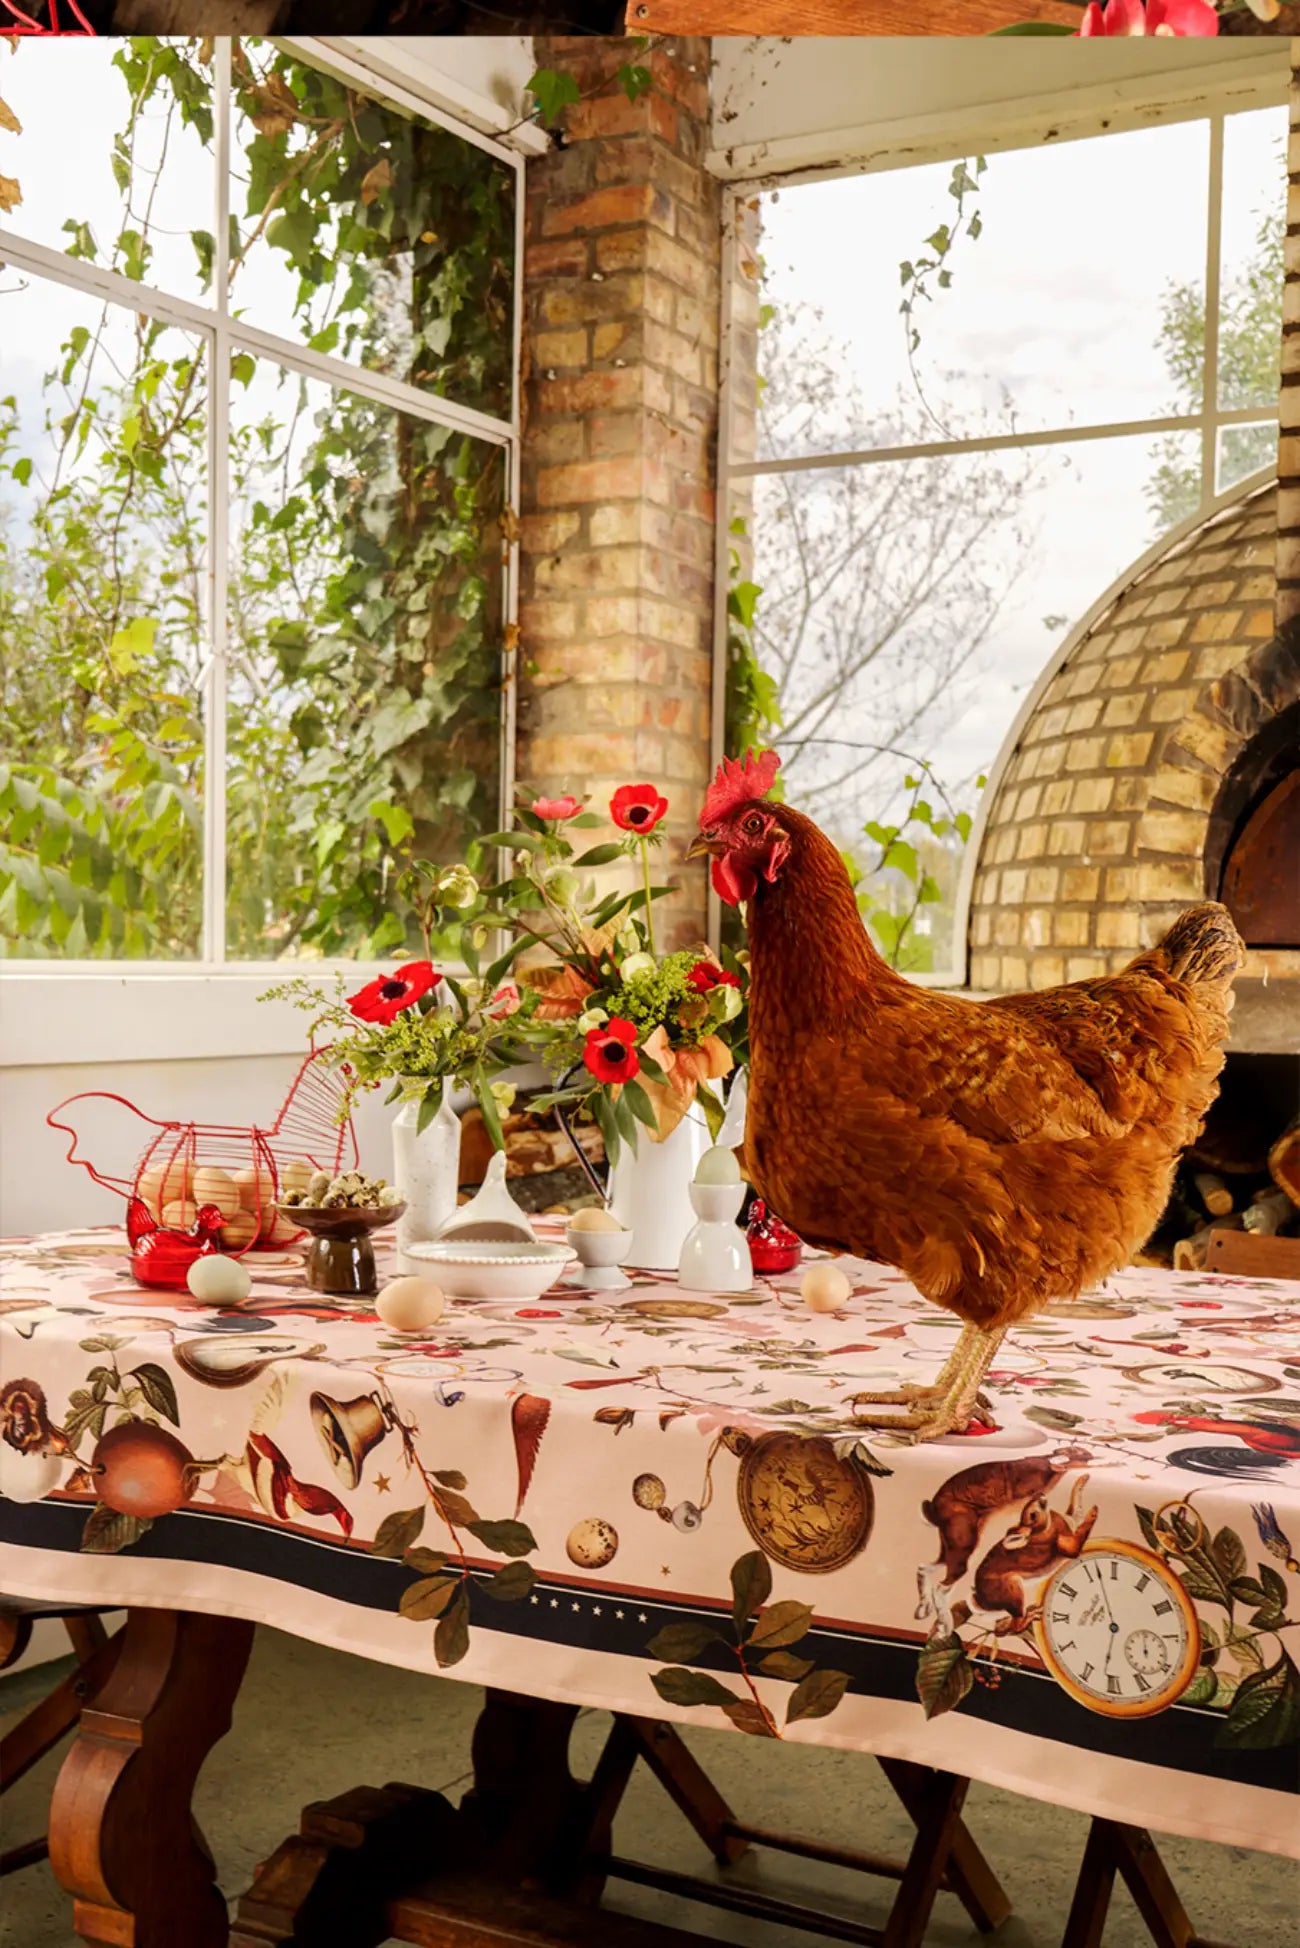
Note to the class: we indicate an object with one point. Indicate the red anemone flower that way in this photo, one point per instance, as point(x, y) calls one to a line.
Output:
point(1163, 17)
point(610, 1051)
point(637, 808)
point(383, 1000)
point(556, 808)
point(705, 975)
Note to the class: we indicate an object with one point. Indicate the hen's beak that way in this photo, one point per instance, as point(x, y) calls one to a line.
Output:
point(702, 846)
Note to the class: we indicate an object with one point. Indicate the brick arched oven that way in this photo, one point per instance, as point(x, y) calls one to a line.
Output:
point(1149, 765)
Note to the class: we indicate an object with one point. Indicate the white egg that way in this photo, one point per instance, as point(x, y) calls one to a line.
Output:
point(825, 1288)
point(409, 1304)
point(217, 1280)
point(27, 1477)
point(718, 1166)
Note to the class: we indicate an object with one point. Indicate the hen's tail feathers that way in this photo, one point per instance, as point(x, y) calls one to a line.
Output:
point(1203, 947)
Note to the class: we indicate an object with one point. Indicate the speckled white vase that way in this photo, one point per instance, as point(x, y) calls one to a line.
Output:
point(650, 1193)
point(426, 1171)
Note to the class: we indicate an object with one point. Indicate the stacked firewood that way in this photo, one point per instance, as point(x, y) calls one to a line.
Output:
point(1232, 1179)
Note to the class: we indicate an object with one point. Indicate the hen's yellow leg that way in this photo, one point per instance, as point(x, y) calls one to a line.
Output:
point(910, 1392)
point(946, 1407)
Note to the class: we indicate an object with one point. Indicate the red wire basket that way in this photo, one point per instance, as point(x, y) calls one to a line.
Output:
point(193, 1188)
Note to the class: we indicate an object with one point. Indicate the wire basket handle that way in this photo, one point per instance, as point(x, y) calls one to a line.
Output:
point(124, 1186)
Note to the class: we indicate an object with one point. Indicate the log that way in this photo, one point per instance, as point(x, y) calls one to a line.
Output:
point(1284, 1161)
point(1190, 1253)
point(1270, 1212)
point(1213, 1192)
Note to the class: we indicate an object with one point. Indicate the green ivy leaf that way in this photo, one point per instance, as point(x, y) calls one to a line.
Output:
point(552, 91)
point(634, 81)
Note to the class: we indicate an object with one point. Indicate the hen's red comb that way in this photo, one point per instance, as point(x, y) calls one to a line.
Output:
point(735, 783)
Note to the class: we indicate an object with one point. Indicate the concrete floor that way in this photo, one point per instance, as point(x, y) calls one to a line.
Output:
point(311, 1722)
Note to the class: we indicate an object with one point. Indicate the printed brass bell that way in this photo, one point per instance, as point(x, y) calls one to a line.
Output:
point(348, 1429)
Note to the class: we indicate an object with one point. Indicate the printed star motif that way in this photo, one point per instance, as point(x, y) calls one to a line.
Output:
point(595, 1610)
point(619, 1615)
point(532, 1599)
point(641, 1617)
point(575, 1606)
point(383, 1484)
point(555, 1602)
point(665, 1571)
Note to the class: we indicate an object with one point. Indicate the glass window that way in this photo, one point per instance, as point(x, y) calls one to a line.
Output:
point(377, 236)
point(363, 661)
point(188, 432)
point(103, 581)
point(899, 608)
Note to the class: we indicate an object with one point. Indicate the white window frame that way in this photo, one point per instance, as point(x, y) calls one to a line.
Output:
point(69, 1011)
point(1265, 88)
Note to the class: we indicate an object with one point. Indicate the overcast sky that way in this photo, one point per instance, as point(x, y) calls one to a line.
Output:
point(1056, 304)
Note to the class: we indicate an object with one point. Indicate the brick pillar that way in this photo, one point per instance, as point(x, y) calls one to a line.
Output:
point(621, 282)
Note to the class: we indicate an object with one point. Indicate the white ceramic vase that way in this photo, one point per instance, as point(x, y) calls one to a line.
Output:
point(426, 1171)
point(650, 1193)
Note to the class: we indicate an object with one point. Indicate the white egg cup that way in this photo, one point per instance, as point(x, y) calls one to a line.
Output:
point(599, 1253)
point(715, 1256)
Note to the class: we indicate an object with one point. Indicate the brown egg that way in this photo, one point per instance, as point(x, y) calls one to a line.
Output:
point(825, 1287)
point(256, 1189)
point(296, 1175)
point(212, 1185)
point(180, 1214)
point(592, 1543)
point(175, 1177)
point(238, 1230)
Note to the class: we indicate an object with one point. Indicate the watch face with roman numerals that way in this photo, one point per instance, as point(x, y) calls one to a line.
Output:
point(1118, 1630)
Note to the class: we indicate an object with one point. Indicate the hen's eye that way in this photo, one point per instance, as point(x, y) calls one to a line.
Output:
point(752, 824)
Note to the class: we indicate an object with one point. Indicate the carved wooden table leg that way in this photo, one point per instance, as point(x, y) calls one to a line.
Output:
point(122, 1838)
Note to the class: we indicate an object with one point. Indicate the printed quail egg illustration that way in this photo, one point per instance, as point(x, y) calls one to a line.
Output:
point(592, 1543)
point(649, 1492)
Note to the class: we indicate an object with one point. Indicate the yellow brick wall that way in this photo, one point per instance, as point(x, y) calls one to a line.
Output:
point(1096, 835)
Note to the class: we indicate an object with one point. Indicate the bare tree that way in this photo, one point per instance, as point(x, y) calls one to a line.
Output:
point(880, 583)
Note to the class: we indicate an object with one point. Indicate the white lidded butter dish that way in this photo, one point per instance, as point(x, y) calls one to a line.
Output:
point(493, 1269)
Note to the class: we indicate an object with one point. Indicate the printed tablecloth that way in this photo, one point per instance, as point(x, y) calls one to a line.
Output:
point(660, 1502)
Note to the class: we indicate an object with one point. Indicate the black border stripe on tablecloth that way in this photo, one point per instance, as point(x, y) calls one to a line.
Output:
point(581, 1616)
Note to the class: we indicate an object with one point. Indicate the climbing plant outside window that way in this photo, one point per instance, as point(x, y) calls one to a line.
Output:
point(258, 439)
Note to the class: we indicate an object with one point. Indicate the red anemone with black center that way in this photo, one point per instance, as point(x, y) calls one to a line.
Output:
point(637, 808)
point(383, 1000)
point(610, 1051)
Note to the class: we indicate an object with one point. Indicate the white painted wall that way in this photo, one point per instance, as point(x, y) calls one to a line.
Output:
point(828, 105)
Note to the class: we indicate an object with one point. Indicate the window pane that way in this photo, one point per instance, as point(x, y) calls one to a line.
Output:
point(1254, 215)
point(372, 234)
point(1056, 309)
point(911, 606)
point(98, 118)
point(1243, 450)
point(103, 513)
point(365, 659)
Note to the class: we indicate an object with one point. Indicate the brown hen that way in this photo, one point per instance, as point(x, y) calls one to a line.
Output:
point(1003, 1154)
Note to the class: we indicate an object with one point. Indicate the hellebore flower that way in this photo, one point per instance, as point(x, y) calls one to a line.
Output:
point(1164, 17)
point(556, 808)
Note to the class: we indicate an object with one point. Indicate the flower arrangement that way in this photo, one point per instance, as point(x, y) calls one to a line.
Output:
point(421, 1029)
point(632, 1036)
